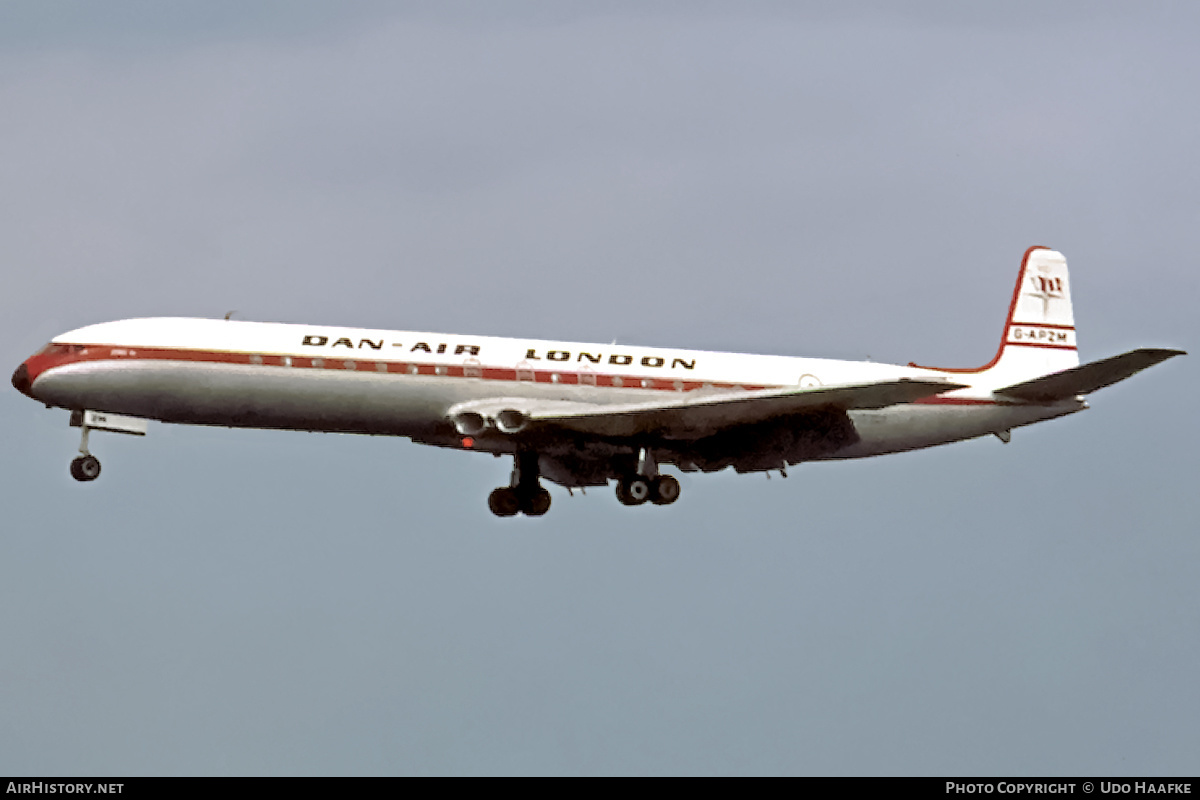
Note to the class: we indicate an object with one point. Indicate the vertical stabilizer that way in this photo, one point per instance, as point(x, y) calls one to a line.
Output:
point(1039, 337)
point(1039, 333)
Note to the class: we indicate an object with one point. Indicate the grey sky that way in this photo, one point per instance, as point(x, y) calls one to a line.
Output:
point(742, 177)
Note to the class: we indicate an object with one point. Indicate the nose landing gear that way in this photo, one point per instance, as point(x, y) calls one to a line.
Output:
point(86, 467)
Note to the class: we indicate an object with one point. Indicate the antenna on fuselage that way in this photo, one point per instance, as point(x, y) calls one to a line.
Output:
point(229, 314)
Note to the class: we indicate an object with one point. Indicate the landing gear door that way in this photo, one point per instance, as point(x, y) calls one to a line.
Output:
point(101, 421)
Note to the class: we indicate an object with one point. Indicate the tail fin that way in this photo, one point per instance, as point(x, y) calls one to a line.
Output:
point(1039, 334)
point(1039, 337)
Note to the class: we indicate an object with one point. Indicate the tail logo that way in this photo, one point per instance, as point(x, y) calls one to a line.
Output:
point(1047, 286)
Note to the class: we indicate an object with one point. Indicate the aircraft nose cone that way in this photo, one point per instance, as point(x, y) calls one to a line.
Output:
point(20, 380)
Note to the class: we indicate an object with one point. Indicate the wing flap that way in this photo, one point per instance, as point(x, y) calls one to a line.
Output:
point(1089, 377)
point(690, 416)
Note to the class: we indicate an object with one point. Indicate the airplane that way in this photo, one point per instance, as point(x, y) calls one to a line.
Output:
point(574, 414)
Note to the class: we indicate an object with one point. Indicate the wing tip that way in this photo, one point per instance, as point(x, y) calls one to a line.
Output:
point(1159, 354)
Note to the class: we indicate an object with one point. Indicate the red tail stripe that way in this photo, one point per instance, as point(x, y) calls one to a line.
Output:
point(1042, 325)
point(1043, 344)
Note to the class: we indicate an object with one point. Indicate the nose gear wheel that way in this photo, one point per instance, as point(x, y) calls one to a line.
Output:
point(85, 468)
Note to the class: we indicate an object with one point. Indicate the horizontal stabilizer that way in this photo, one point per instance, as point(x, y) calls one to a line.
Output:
point(1087, 377)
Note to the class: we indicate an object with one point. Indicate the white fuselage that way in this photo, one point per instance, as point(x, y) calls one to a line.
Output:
point(403, 383)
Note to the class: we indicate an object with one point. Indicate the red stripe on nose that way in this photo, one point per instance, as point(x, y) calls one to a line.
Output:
point(20, 380)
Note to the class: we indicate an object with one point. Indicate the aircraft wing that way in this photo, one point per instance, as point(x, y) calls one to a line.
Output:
point(694, 414)
point(1088, 377)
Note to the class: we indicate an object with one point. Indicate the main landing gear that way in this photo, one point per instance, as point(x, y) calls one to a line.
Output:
point(525, 493)
point(662, 490)
point(646, 484)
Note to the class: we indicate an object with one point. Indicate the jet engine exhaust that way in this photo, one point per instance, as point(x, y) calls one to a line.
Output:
point(511, 421)
point(470, 423)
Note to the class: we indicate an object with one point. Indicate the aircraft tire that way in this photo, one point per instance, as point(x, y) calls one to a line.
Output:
point(633, 491)
point(535, 503)
point(85, 468)
point(504, 501)
point(665, 490)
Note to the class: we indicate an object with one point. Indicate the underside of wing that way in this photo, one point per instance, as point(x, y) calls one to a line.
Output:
point(585, 443)
point(695, 415)
point(1087, 377)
